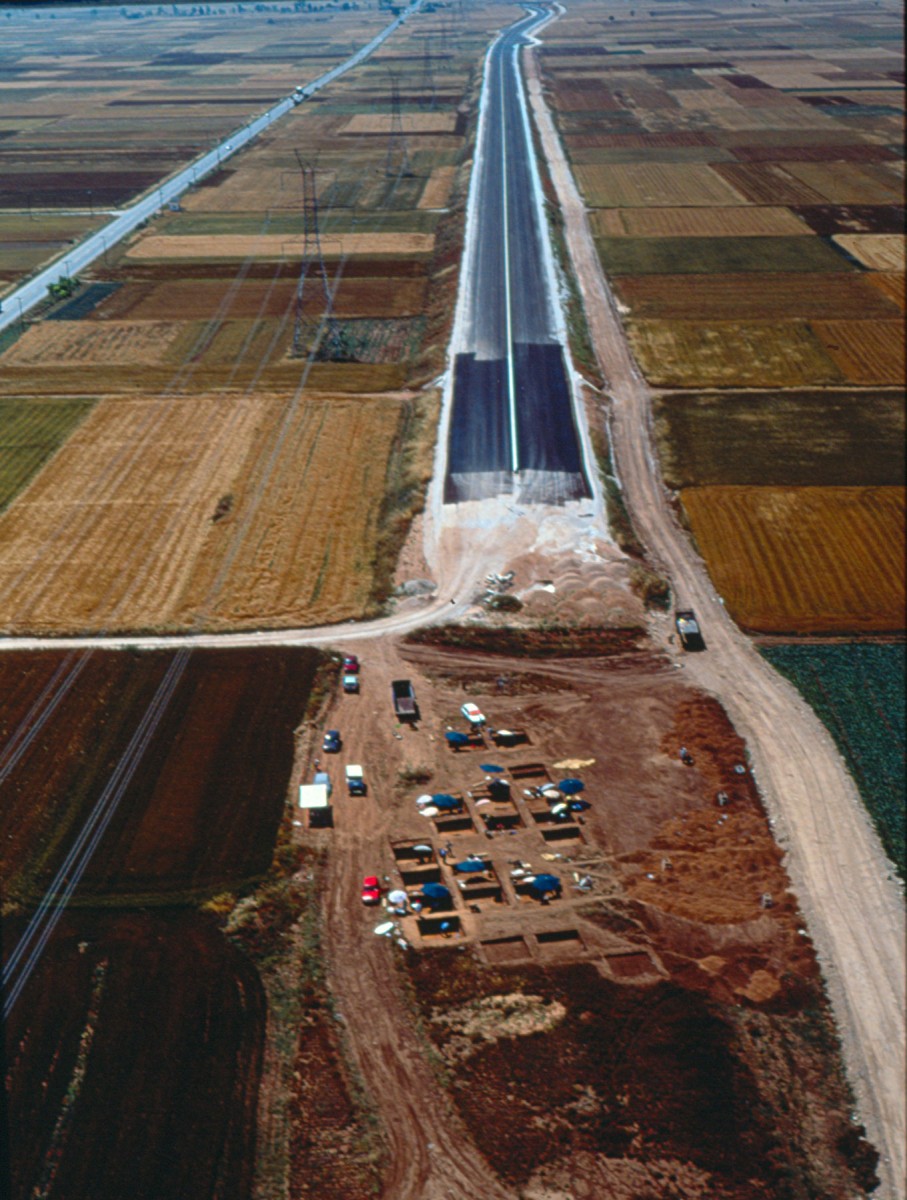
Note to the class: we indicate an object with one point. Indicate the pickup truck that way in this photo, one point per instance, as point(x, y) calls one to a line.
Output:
point(404, 697)
point(688, 628)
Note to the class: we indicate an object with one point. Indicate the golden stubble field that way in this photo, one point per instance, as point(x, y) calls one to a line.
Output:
point(203, 511)
point(805, 559)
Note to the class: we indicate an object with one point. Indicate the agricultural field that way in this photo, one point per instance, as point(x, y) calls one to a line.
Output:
point(257, 511)
point(781, 438)
point(744, 173)
point(98, 107)
point(203, 812)
point(141, 1016)
point(31, 432)
point(804, 559)
point(858, 692)
point(149, 1024)
point(206, 321)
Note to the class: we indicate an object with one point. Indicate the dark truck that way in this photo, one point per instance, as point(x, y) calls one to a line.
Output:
point(688, 628)
point(404, 696)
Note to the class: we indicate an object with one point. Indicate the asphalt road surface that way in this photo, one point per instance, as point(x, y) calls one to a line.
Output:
point(18, 303)
point(512, 424)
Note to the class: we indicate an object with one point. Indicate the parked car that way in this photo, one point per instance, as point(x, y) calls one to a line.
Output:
point(355, 780)
point(371, 890)
point(350, 682)
point(350, 664)
point(333, 742)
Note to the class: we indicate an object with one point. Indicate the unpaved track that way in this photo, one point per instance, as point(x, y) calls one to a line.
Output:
point(431, 1157)
point(853, 904)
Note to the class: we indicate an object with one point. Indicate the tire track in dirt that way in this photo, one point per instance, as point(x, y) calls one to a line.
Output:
point(848, 893)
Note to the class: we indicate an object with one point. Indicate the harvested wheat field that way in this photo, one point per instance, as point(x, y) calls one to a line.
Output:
point(170, 512)
point(642, 185)
point(892, 285)
point(697, 222)
point(865, 351)
point(78, 343)
point(878, 251)
point(436, 192)
point(768, 296)
point(804, 560)
point(438, 122)
point(275, 247)
point(731, 354)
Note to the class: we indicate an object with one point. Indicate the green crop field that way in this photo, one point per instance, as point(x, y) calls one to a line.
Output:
point(858, 691)
point(717, 255)
point(782, 438)
point(31, 433)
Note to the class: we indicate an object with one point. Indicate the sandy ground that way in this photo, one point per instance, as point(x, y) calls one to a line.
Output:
point(853, 903)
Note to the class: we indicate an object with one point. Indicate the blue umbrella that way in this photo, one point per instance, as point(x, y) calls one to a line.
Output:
point(491, 768)
point(456, 739)
point(542, 884)
point(571, 786)
point(439, 796)
point(579, 805)
point(470, 864)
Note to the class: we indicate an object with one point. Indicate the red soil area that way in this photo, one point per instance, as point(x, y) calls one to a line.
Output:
point(141, 1035)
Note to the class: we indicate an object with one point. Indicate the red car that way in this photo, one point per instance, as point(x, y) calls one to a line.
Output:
point(371, 890)
point(350, 664)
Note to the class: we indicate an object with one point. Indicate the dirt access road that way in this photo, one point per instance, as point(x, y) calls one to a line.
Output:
point(852, 901)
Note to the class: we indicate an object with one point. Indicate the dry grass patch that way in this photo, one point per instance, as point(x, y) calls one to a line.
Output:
point(275, 247)
point(730, 354)
point(865, 351)
point(640, 185)
point(804, 560)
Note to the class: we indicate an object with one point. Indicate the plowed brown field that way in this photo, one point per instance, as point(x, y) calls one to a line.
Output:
point(804, 560)
point(119, 531)
point(865, 351)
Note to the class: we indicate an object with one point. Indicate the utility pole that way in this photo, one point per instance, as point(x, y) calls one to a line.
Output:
point(427, 82)
point(312, 265)
point(397, 152)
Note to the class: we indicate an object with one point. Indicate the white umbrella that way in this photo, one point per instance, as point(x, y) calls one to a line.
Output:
point(398, 896)
point(421, 801)
point(430, 811)
point(384, 928)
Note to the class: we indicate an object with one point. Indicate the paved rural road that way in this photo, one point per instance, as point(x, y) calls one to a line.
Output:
point(25, 297)
point(512, 403)
point(853, 904)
